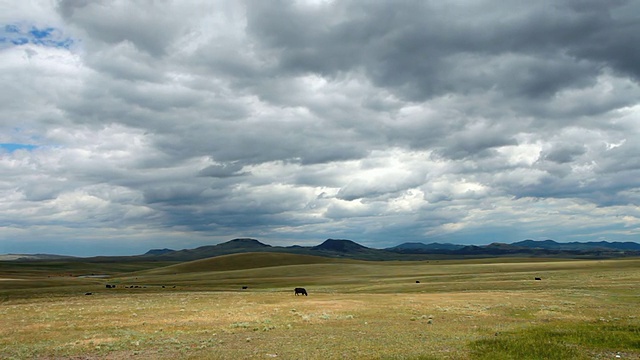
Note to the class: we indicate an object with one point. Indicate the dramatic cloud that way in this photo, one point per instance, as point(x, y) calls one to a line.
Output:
point(131, 125)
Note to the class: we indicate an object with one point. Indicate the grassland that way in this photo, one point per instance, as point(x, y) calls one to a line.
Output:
point(473, 309)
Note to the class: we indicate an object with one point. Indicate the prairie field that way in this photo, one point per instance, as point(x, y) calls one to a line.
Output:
point(446, 309)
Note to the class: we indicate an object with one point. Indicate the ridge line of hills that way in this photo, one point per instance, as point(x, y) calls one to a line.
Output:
point(340, 248)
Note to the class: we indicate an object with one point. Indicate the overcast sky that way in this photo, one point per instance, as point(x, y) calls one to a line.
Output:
point(126, 126)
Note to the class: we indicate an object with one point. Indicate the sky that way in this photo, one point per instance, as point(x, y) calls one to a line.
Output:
point(132, 125)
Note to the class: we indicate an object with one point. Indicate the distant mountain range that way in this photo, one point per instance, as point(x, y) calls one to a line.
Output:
point(418, 247)
point(410, 250)
point(329, 248)
point(544, 247)
point(23, 257)
point(602, 245)
point(406, 251)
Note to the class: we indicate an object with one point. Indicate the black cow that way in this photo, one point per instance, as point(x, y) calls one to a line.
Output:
point(538, 278)
point(300, 291)
point(88, 293)
point(245, 287)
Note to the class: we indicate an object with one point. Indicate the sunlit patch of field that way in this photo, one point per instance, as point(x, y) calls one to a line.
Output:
point(355, 310)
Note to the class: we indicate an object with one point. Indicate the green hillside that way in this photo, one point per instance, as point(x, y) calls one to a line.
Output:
point(242, 261)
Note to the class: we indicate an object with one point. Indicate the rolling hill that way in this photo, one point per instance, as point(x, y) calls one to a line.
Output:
point(234, 246)
point(420, 248)
point(241, 261)
point(33, 257)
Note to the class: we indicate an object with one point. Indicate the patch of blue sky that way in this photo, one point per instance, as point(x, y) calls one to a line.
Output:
point(12, 28)
point(11, 147)
point(41, 33)
point(16, 35)
point(66, 43)
point(19, 41)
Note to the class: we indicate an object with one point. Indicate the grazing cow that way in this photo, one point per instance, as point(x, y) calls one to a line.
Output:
point(417, 281)
point(88, 293)
point(301, 291)
point(538, 278)
point(245, 287)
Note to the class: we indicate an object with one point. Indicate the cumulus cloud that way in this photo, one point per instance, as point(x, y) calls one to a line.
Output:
point(127, 125)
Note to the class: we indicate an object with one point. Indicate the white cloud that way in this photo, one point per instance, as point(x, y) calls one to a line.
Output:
point(154, 124)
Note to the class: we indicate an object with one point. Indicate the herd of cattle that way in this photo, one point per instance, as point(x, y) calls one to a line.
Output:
point(297, 291)
point(113, 286)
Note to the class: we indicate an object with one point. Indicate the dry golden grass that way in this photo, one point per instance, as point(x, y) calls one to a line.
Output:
point(355, 310)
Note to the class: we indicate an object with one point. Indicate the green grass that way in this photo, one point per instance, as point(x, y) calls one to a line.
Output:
point(474, 309)
point(241, 262)
point(582, 340)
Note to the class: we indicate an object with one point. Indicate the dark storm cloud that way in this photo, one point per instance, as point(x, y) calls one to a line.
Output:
point(622, 158)
point(113, 23)
point(475, 141)
point(222, 170)
point(564, 153)
point(417, 48)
